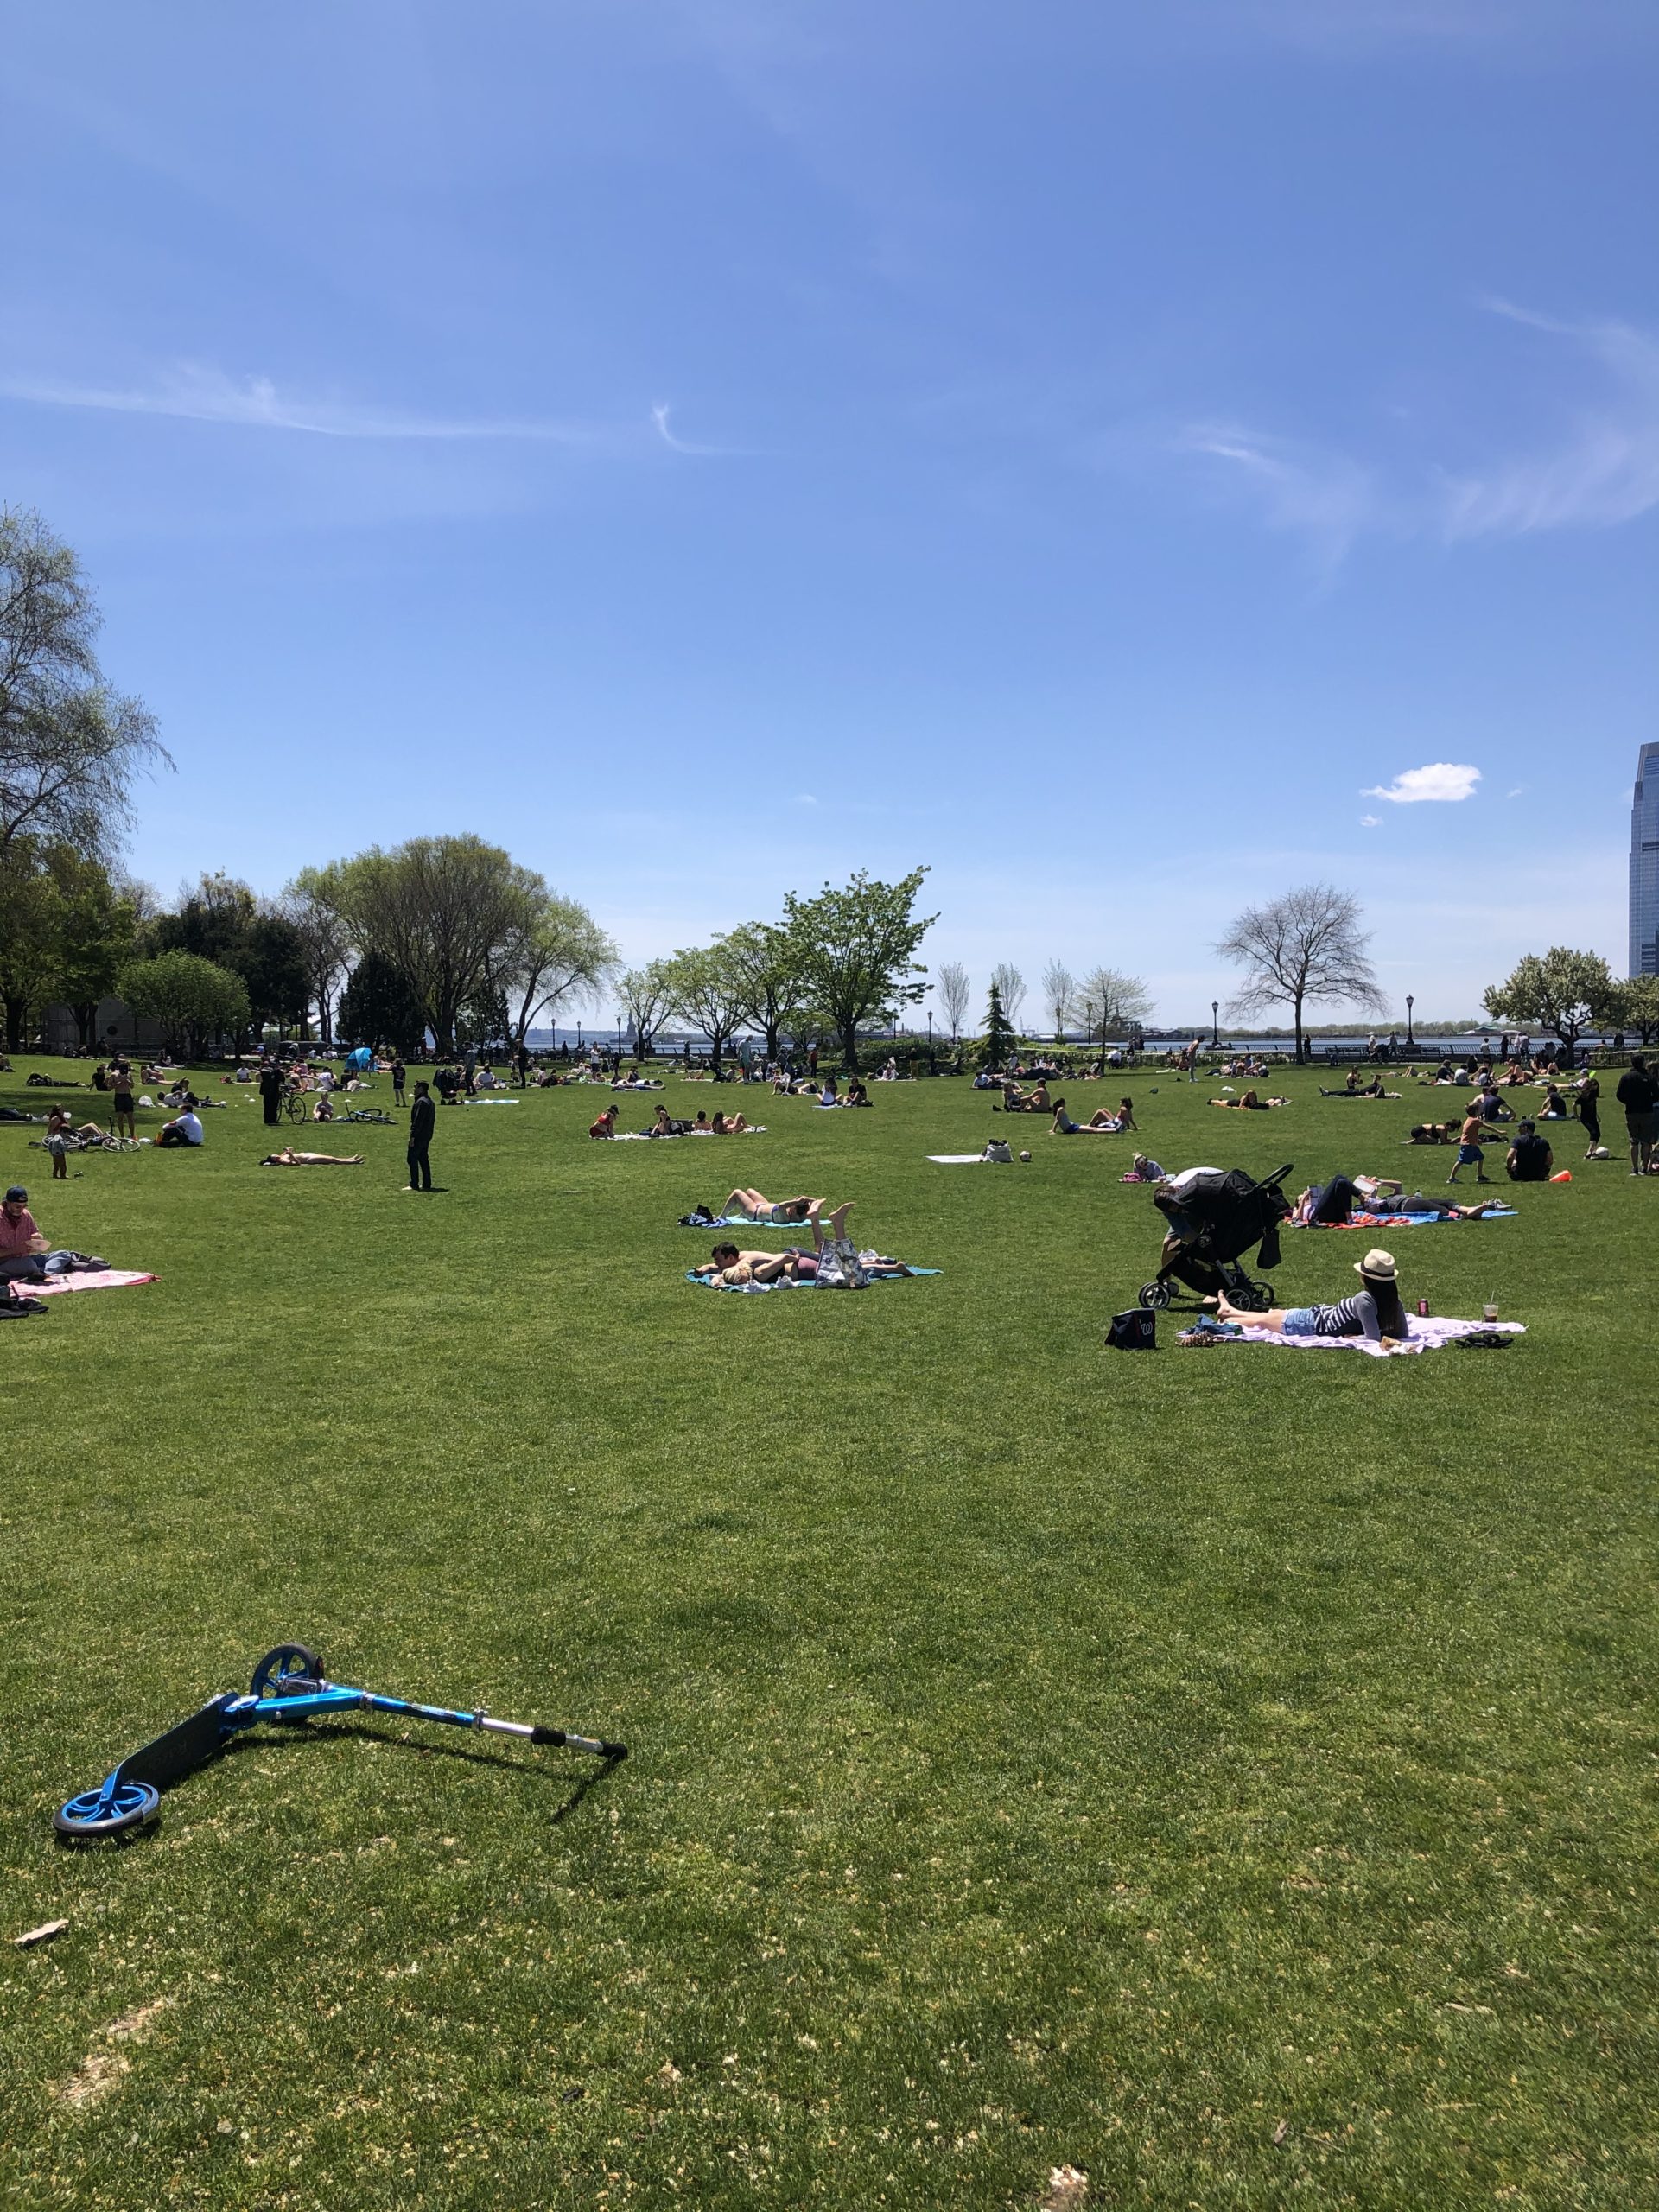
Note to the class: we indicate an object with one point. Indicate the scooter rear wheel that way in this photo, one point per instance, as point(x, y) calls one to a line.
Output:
point(90, 1816)
point(283, 1667)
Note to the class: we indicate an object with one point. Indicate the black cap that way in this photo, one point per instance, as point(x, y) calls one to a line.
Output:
point(17, 1192)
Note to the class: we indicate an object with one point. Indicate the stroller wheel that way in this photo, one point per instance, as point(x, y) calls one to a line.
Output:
point(92, 1814)
point(282, 1670)
point(1156, 1295)
point(1255, 1298)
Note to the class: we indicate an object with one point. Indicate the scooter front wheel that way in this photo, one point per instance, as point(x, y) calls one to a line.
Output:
point(94, 1815)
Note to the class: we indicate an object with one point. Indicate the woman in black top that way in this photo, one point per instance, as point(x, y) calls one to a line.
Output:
point(1589, 1105)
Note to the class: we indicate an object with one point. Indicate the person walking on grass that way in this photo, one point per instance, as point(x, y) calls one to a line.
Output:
point(1468, 1151)
point(422, 1115)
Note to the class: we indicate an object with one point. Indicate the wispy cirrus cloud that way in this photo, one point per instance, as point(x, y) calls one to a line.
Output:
point(1445, 781)
point(192, 393)
point(1604, 471)
point(1320, 496)
point(1601, 472)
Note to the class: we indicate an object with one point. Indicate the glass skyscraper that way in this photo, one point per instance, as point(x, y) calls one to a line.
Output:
point(1645, 865)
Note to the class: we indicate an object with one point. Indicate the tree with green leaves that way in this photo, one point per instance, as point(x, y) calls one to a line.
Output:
point(443, 910)
point(1636, 1007)
point(709, 987)
point(645, 997)
point(854, 948)
point(31, 929)
point(195, 1001)
point(999, 1045)
point(1559, 993)
point(97, 928)
point(763, 958)
point(380, 1006)
point(69, 746)
point(1303, 947)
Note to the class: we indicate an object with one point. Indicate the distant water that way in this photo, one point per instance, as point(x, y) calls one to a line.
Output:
point(543, 1040)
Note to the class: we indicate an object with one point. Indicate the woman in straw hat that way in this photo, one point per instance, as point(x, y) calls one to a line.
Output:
point(1373, 1311)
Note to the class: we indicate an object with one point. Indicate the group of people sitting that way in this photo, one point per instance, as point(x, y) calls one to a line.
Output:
point(834, 1262)
point(665, 1125)
point(1102, 1122)
point(822, 1090)
point(1353, 1087)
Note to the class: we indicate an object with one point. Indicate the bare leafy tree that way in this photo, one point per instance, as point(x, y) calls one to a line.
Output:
point(1303, 948)
point(553, 951)
point(1109, 1001)
point(955, 991)
point(312, 904)
point(1011, 990)
point(69, 746)
point(1060, 992)
point(645, 995)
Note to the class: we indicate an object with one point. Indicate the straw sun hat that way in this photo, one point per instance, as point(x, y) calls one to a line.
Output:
point(1378, 1262)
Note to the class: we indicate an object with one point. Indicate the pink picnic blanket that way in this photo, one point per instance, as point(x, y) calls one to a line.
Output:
point(95, 1279)
point(1432, 1334)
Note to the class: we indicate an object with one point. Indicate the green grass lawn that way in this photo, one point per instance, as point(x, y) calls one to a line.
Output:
point(1229, 1774)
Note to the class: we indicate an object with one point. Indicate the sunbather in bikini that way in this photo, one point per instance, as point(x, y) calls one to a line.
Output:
point(289, 1158)
point(755, 1205)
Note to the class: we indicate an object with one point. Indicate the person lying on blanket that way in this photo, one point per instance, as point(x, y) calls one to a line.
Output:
point(727, 1125)
point(665, 1125)
point(289, 1158)
point(833, 1262)
point(1374, 1311)
point(1250, 1104)
point(755, 1205)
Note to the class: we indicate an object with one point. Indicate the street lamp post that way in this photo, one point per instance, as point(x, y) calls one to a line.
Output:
point(1410, 1040)
point(1215, 1033)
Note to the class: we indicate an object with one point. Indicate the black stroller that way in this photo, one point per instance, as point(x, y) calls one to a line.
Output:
point(1214, 1218)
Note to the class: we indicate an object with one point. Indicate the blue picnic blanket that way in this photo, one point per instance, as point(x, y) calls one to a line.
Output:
point(788, 1282)
point(1381, 1220)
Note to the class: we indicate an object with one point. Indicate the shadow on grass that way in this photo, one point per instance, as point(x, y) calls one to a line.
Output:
point(295, 1734)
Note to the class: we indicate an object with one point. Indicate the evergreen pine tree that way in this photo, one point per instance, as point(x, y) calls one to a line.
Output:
point(999, 1044)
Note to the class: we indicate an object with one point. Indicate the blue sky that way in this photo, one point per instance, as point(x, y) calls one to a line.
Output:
point(710, 447)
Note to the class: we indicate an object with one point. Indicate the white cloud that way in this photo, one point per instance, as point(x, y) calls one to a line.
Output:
point(1370, 821)
point(1517, 792)
point(194, 393)
point(1441, 780)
